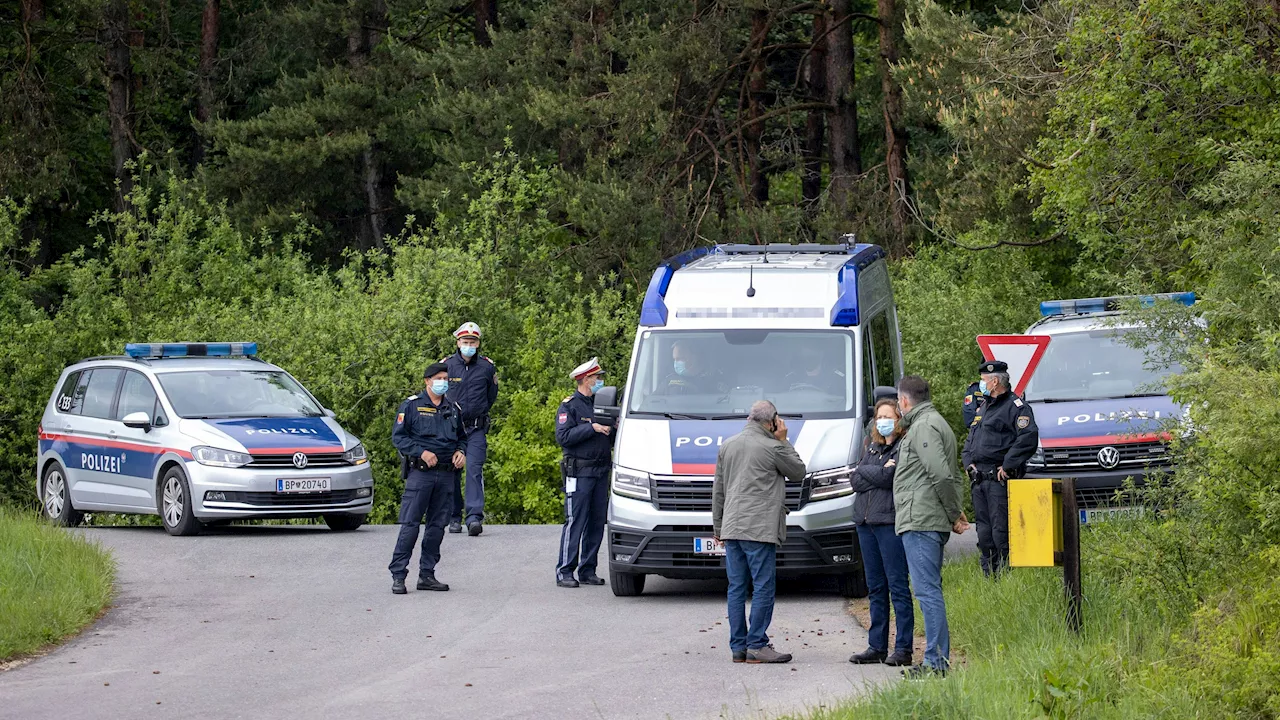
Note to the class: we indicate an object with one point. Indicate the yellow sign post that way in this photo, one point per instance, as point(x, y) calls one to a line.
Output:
point(1044, 531)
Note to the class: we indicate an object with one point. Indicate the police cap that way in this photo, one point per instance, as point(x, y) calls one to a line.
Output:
point(434, 368)
point(590, 367)
point(993, 366)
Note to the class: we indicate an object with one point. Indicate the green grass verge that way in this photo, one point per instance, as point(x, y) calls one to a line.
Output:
point(52, 583)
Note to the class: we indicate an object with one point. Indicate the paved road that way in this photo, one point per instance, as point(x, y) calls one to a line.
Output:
point(287, 622)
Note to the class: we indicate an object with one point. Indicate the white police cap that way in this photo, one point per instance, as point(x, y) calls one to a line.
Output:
point(467, 329)
point(590, 367)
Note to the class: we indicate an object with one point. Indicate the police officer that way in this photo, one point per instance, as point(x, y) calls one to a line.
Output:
point(973, 399)
point(1002, 437)
point(588, 444)
point(473, 384)
point(428, 434)
point(688, 376)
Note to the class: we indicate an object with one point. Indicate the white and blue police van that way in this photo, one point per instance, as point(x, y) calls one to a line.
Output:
point(1100, 402)
point(812, 328)
point(197, 433)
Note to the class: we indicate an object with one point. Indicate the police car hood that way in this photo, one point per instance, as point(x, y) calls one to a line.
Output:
point(270, 435)
point(1106, 421)
point(689, 447)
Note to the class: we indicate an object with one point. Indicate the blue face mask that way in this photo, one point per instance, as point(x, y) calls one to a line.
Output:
point(679, 367)
point(597, 387)
point(885, 426)
point(439, 387)
point(982, 386)
point(467, 351)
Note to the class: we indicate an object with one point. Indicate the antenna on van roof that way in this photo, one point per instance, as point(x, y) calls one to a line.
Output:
point(751, 281)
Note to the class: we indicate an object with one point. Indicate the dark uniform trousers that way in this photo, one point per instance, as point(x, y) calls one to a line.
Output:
point(991, 516)
point(426, 493)
point(477, 451)
point(585, 509)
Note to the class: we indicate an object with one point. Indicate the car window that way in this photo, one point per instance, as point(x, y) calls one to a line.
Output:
point(136, 395)
point(68, 401)
point(236, 393)
point(882, 349)
point(101, 392)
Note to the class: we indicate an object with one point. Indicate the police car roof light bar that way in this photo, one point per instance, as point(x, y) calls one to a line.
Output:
point(1085, 306)
point(653, 313)
point(784, 248)
point(845, 311)
point(171, 350)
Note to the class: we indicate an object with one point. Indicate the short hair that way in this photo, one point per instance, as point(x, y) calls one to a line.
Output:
point(762, 411)
point(1005, 382)
point(914, 387)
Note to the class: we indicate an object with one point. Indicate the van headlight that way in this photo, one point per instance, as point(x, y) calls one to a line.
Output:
point(1037, 458)
point(218, 457)
point(356, 455)
point(628, 483)
point(829, 484)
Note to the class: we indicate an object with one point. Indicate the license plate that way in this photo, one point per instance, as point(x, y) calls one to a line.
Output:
point(1103, 514)
point(302, 485)
point(707, 546)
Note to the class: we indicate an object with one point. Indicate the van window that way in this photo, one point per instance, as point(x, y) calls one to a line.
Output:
point(136, 395)
point(101, 392)
point(69, 400)
point(882, 350)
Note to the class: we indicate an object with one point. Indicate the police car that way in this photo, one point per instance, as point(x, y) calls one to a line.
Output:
point(198, 433)
point(1100, 403)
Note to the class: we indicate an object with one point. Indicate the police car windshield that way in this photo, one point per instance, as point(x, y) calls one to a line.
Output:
point(236, 393)
point(718, 374)
point(1093, 365)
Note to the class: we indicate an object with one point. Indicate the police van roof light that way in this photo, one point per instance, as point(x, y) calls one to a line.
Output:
point(653, 313)
point(845, 311)
point(168, 350)
point(1084, 306)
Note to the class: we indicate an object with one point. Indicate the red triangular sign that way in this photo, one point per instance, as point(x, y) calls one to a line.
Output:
point(1021, 352)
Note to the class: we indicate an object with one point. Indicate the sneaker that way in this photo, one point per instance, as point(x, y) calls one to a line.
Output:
point(429, 582)
point(766, 654)
point(899, 658)
point(868, 657)
point(474, 528)
point(920, 672)
point(455, 526)
point(566, 582)
point(590, 579)
point(397, 586)
point(739, 656)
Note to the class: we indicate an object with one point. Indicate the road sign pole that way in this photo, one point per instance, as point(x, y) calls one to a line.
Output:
point(1071, 554)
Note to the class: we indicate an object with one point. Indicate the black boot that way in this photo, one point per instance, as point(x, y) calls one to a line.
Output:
point(590, 579)
point(455, 526)
point(397, 586)
point(868, 657)
point(429, 582)
point(899, 658)
point(566, 582)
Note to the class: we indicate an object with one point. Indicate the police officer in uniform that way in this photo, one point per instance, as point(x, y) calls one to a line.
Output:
point(1002, 437)
point(428, 434)
point(974, 396)
point(473, 384)
point(588, 447)
point(688, 376)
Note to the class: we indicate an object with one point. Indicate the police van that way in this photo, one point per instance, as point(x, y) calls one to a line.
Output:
point(811, 328)
point(1100, 402)
point(197, 433)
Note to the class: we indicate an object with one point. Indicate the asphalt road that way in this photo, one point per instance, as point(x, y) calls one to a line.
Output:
point(281, 622)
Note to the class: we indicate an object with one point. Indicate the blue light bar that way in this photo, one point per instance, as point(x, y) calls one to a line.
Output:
point(1050, 308)
point(167, 350)
point(845, 311)
point(653, 313)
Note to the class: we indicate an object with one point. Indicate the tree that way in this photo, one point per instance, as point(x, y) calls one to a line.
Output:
point(895, 131)
point(842, 122)
point(815, 69)
point(116, 39)
point(209, 24)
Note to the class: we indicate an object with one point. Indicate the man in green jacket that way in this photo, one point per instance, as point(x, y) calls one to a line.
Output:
point(749, 515)
point(926, 498)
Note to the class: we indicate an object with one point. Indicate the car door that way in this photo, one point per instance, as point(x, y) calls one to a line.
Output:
point(139, 448)
point(92, 462)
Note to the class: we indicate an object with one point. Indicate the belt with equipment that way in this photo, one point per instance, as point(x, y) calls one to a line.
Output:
point(571, 467)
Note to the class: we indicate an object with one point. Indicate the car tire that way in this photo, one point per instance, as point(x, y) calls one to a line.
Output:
point(853, 585)
point(344, 522)
point(173, 502)
point(55, 498)
point(626, 584)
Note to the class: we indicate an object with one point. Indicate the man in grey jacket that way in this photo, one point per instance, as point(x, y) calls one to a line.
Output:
point(749, 514)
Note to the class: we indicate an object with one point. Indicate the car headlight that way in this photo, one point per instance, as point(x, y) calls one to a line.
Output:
point(218, 457)
point(1037, 458)
point(631, 484)
point(356, 455)
point(829, 484)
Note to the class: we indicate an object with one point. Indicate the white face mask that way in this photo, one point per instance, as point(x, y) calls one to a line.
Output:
point(885, 426)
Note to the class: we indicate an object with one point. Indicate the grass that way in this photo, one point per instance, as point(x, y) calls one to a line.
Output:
point(52, 583)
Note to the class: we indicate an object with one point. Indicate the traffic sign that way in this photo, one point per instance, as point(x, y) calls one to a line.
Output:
point(1021, 352)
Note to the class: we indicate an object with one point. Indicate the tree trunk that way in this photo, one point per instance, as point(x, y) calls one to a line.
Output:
point(208, 59)
point(895, 131)
point(486, 12)
point(371, 20)
point(119, 67)
point(846, 156)
point(815, 123)
point(757, 100)
point(32, 11)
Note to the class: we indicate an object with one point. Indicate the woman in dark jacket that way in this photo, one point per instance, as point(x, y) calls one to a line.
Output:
point(883, 558)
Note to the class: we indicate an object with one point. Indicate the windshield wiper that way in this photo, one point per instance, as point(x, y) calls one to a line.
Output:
point(1058, 400)
point(1142, 395)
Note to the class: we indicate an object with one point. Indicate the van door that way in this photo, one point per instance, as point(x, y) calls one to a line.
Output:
point(93, 463)
point(135, 485)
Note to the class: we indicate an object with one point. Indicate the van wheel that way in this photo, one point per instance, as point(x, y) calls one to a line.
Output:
point(174, 504)
point(343, 522)
point(55, 498)
point(626, 584)
point(853, 585)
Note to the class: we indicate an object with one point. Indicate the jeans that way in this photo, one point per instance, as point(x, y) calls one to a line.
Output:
point(991, 515)
point(585, 512)
point(426, 493)
point(752, 562)
point(924, 559)
point(477, 451)
point(885, 563)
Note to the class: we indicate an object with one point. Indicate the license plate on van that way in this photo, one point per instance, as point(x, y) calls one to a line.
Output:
point(1103, 514)
point(707, 546)
point(302, 485)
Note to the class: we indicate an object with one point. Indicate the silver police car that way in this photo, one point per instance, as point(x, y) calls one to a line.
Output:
point(198, 433)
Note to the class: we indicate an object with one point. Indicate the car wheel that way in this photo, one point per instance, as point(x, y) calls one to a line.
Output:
point(626, 584)
point(344, 522)
point(853, 585)
point(174, 504)
point(55, 498)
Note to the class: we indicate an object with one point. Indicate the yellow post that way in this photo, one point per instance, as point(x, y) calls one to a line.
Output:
point(1035, 523)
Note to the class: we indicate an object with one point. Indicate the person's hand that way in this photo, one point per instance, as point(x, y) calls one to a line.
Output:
point(781, 431)
point(1001, 475)
point(891, 463)
point(961, 525)
point(459, 459)
point(602, 429)
point(430, 458)
point(973, 470)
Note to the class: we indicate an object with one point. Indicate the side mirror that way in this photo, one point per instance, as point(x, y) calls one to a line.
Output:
point(330, 413)
point(606, 406)
point(138, 420)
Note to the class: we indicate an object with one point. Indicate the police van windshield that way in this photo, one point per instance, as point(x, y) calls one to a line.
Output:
point(719, 374)
point(1096, 364)
point(208, 394)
